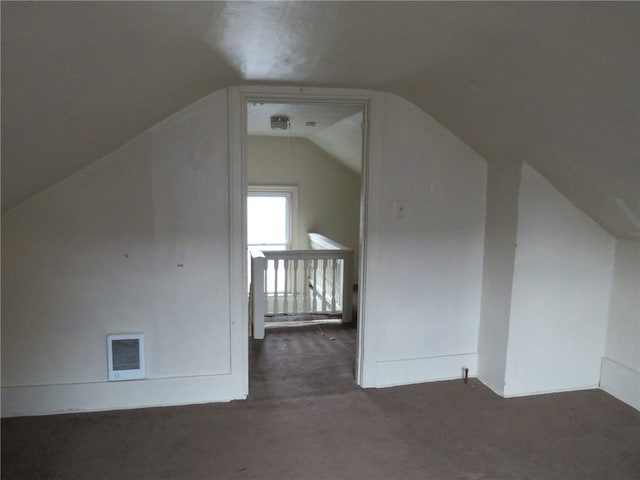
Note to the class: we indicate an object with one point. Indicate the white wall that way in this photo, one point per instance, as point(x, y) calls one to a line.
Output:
point(424, 271)
point(101, 252)
point(140, 242)
point(137, 242)
point(620, 374)
point(328, 191)
point(501, 225)
point(343, 140)
point(560, 294)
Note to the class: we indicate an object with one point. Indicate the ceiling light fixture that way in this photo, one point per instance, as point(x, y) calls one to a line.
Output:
point(279, 122)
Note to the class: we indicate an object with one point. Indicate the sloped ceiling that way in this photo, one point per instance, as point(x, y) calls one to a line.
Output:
point(336, 129)
point(553, 84)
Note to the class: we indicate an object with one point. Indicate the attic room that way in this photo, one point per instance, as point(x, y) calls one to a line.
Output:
point(495, 226)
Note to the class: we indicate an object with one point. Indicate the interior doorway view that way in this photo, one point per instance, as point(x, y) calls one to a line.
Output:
point(304, 176)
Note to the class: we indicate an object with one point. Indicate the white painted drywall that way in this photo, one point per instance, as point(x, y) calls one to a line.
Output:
point(139, 242)
point(343, 140)
point(424, 270)
point(328, 191)
point(560, 294)
point(136, 242)
point(503, 183)
point(620, 374)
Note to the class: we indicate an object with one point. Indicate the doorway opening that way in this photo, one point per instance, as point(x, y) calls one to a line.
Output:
point(304, 181)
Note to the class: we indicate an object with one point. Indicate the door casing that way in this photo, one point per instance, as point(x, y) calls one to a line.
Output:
point(372, 103)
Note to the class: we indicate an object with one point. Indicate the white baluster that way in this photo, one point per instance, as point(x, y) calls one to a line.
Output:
point(285, 302)
point(275, 288)
point(306, 290)
point(295, 285)
point(324, 285)
point(334, 269)
point(315, 278)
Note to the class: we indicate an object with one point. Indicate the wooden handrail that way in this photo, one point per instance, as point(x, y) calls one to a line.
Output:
point(309, 254)
point(324, 242)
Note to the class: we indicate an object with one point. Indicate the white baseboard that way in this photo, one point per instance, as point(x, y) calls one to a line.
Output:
point(491, 387)
point(90, 397)
point(391, 373)
point(551, 390)
point(621, 382)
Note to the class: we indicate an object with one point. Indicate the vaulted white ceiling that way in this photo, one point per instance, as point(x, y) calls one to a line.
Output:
point(553, 84)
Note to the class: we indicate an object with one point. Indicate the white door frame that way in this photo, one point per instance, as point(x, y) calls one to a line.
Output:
point(372, 103)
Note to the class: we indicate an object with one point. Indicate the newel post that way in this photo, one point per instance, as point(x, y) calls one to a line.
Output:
point(347, 287)
point(258, 298)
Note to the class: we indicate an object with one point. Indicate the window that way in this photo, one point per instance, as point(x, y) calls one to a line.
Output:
point(270, 222)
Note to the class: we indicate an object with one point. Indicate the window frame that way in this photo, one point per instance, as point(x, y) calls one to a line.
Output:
point(291, 193)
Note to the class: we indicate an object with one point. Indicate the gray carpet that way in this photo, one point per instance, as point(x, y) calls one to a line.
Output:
point(302, 361)
point(323, 427)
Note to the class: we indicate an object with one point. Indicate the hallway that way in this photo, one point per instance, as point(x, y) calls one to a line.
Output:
point(292, 362)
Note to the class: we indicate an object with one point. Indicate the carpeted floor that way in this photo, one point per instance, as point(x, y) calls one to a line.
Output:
point(303, 421)
point(301, 361)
